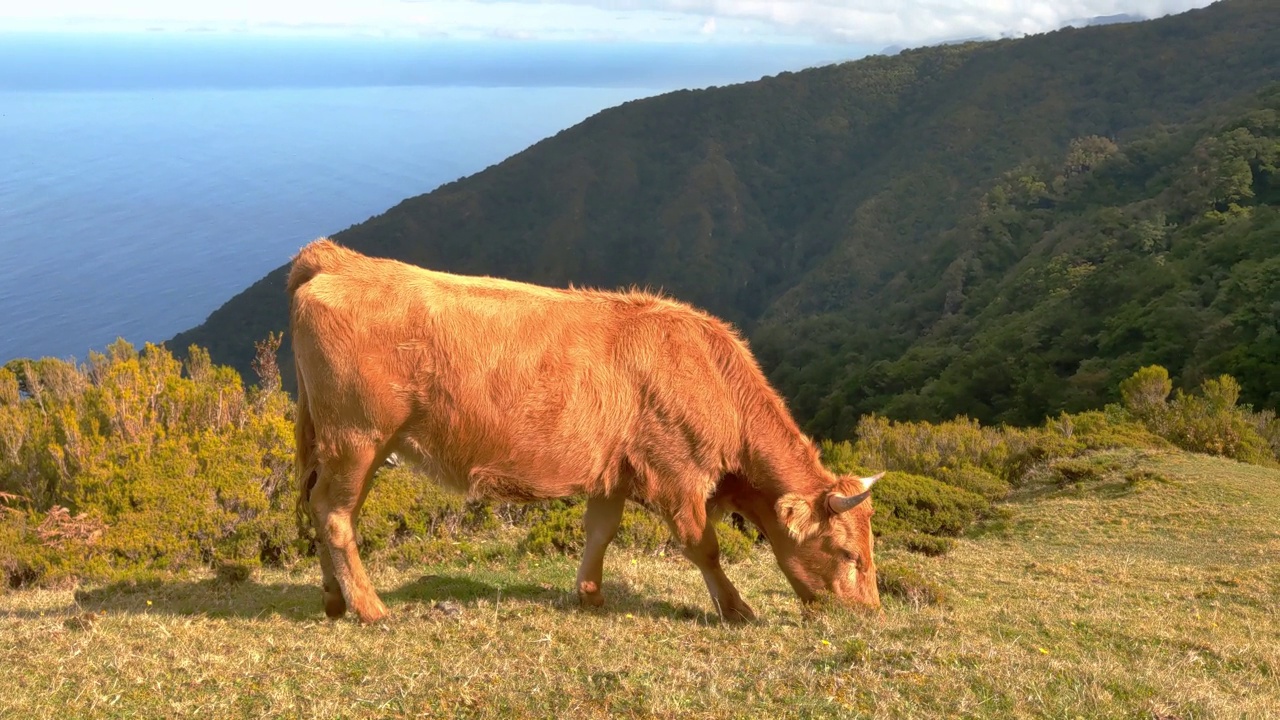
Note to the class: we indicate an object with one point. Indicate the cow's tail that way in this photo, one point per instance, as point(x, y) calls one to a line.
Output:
point(307, 467)
point(316, 257)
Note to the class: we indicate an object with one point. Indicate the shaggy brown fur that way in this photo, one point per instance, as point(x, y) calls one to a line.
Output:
point(511, 391)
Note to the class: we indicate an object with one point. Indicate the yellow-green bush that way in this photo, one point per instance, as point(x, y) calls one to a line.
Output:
point(975, 480)
point(561, 530)
point(842, 459)
point(950, 450)
point(180, 468)
point(736, 544)
point(403, 503)
point(922, 448)
point(428, 550)
point(51, 548)
point(1069, 471)
point(1267, 426)
point(918, 542)
point(1207, 422)
point(905, 583)
point(1146, 391)
point(9, 394)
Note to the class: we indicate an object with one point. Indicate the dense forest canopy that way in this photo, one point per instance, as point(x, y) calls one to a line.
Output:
point(1004, 229)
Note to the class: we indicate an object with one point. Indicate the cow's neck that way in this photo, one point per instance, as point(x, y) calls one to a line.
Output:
point(756, 501)
point(779, 460)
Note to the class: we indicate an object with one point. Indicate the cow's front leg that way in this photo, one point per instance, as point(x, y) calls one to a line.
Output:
point(600, 525)
point(335, 502)
point(696, 533)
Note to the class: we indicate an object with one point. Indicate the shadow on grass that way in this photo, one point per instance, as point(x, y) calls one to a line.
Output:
point(1004, 521)
point(1101, 475)
point(1112, 487)
point(463, 592)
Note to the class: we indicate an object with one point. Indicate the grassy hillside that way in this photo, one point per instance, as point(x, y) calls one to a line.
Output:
point(846, 216)
point(1149, 591)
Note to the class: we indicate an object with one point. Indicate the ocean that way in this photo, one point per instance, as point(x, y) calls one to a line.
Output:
point(145, 180)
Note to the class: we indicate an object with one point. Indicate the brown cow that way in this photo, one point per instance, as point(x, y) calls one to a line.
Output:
point(516, 392)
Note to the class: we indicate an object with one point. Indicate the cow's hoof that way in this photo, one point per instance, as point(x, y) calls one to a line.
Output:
point(589, 594)
point(738, 614)
point(371, 612)
point(334, 606)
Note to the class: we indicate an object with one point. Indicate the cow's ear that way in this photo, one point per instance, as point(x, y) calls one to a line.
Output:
point(797, 515)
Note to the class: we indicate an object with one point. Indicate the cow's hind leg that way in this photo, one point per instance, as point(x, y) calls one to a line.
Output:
point(696, 533)
point(334, 605)
point(335, 503)
point(600, 524)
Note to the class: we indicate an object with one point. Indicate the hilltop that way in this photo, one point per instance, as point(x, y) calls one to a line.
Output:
point(1003, 228)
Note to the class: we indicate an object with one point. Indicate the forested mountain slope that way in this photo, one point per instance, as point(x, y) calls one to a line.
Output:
point(878, 227)
point(1067, 275)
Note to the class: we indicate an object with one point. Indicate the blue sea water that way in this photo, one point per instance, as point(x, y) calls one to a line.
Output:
point(146, 180)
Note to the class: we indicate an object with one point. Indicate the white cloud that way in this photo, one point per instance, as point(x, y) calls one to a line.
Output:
point(870, 22)
point(903, 21)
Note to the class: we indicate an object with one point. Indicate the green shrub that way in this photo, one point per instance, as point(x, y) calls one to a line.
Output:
point(402, 503)
point(432, 550)
point(23, 561)
point(9, 394)
point(916, 542)
point(1144, 393)
point(900, 581)
point(179, 470)
point(735, 544)
point(913, 503)
point(976, 481)
point(841, 458)
point(49, 549)
point(923, 448)
point(1103, 430)
point(236, 571)
point(1211, 423)
point(1267, 426)
point(1138, 479)
point(1033, 447)
point(561, 531)
point(642, 530)
point(1005, 453)
point(1208, 422)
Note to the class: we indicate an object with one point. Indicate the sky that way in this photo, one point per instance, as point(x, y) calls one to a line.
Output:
point(873, 22)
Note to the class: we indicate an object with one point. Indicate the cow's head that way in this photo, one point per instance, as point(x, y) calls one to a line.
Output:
point(829, 549)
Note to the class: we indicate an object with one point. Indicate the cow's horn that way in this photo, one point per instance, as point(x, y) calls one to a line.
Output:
point(867, 482)
point(838, 503)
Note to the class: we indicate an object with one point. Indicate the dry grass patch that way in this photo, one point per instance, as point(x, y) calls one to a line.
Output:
point(1161, 599)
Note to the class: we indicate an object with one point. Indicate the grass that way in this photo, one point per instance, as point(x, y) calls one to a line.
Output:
point(1149, 590)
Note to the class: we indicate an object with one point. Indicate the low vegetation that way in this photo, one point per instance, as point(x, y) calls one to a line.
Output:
point(136, 465)
point(1149, 591)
